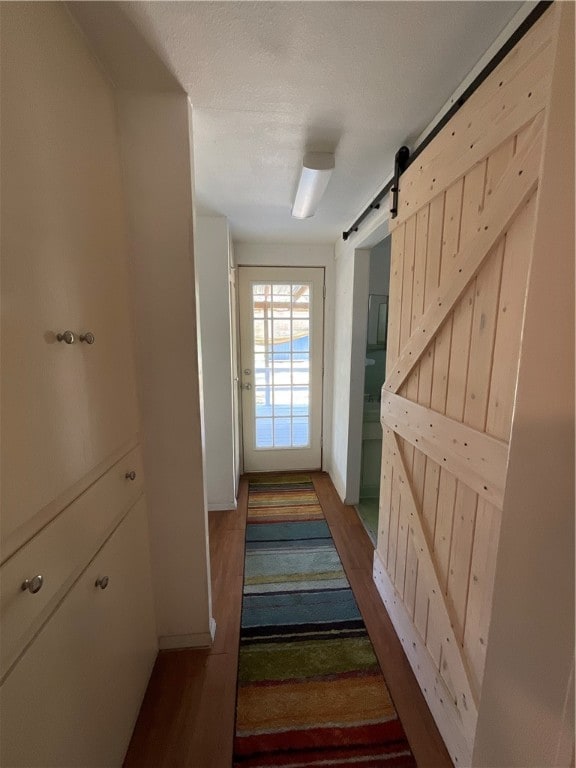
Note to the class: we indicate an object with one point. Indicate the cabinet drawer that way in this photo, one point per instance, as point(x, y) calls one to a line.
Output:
point(59, 552)
point(73, 697)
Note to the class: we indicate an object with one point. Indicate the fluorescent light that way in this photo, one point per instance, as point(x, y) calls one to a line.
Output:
point(316, 171)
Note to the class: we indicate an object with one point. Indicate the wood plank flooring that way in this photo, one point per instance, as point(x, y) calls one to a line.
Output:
point(187, 716)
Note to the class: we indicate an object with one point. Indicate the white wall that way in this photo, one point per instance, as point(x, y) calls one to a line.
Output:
point(211, 240)
point(352, 274)
point(349, 341)
point(292, 255)
point(156, 156)
point(235, 337)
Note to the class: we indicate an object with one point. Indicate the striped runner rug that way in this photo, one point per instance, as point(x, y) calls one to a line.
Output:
point(310, 690)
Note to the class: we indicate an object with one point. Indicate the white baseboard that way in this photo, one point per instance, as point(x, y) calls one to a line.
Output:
point(197, 640)
point(222, 506)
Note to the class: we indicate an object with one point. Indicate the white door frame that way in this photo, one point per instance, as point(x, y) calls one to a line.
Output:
point(279, 458)
point(265, 254)
point(361, 256)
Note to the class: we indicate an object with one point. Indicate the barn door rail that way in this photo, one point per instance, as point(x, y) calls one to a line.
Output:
point(392, 184)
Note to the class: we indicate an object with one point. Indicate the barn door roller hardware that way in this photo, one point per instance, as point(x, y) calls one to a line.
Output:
point(400, 162)
point(528, 22)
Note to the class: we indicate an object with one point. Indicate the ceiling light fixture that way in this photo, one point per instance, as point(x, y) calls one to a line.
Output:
point(317, 168)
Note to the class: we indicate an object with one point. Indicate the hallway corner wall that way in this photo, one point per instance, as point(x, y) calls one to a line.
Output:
point(157, 163)
point(352, 273)
point(212, 245)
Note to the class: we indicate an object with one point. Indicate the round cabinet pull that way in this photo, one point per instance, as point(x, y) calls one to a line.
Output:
point(130, 475)
point(33, 585)
point(66, 336)
point(87, 337)
point(102, 582)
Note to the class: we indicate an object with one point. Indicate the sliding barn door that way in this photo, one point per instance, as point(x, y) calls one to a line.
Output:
point(461, 250)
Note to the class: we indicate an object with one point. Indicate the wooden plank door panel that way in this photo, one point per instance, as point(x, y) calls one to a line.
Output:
point(513, 192)
point(461, 248)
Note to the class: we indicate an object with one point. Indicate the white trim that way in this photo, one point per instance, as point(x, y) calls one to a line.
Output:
point(222, 506)
point(196, 640)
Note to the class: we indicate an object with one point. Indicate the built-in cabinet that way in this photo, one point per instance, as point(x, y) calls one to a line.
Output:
point(78, 635)
point(73, 696)
point(59, 553)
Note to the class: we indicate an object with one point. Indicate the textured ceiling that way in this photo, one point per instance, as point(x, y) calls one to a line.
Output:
point(272, 80)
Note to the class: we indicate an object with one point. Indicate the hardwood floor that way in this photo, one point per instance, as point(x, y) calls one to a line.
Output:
point(187, 716)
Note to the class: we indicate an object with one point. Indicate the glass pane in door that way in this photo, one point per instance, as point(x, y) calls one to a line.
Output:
point(281, 363)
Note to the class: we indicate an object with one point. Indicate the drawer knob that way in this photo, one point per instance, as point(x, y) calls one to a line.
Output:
point(102, 582)
point(130, 475)
point(87, 337)
point(66, 336)
point(33, 585)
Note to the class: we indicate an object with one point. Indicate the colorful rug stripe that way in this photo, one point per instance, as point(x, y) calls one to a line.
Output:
point(310, 690)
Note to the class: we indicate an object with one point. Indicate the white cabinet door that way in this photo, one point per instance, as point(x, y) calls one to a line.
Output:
point(107, 366)
point(73, 698)
point(44, 429)
point(65, 408)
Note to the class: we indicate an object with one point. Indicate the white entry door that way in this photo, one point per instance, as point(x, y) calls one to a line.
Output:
point(281, 339)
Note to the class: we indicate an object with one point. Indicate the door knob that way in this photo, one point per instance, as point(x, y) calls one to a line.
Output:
point(102, 582)
point(33, 585)
point(130, 475)
point(66, 336)
point(246, 386)
point(87, 337)
point(247, 371)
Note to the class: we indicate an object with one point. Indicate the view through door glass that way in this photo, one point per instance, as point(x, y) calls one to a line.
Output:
point(282, 364)
point(281, 323)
